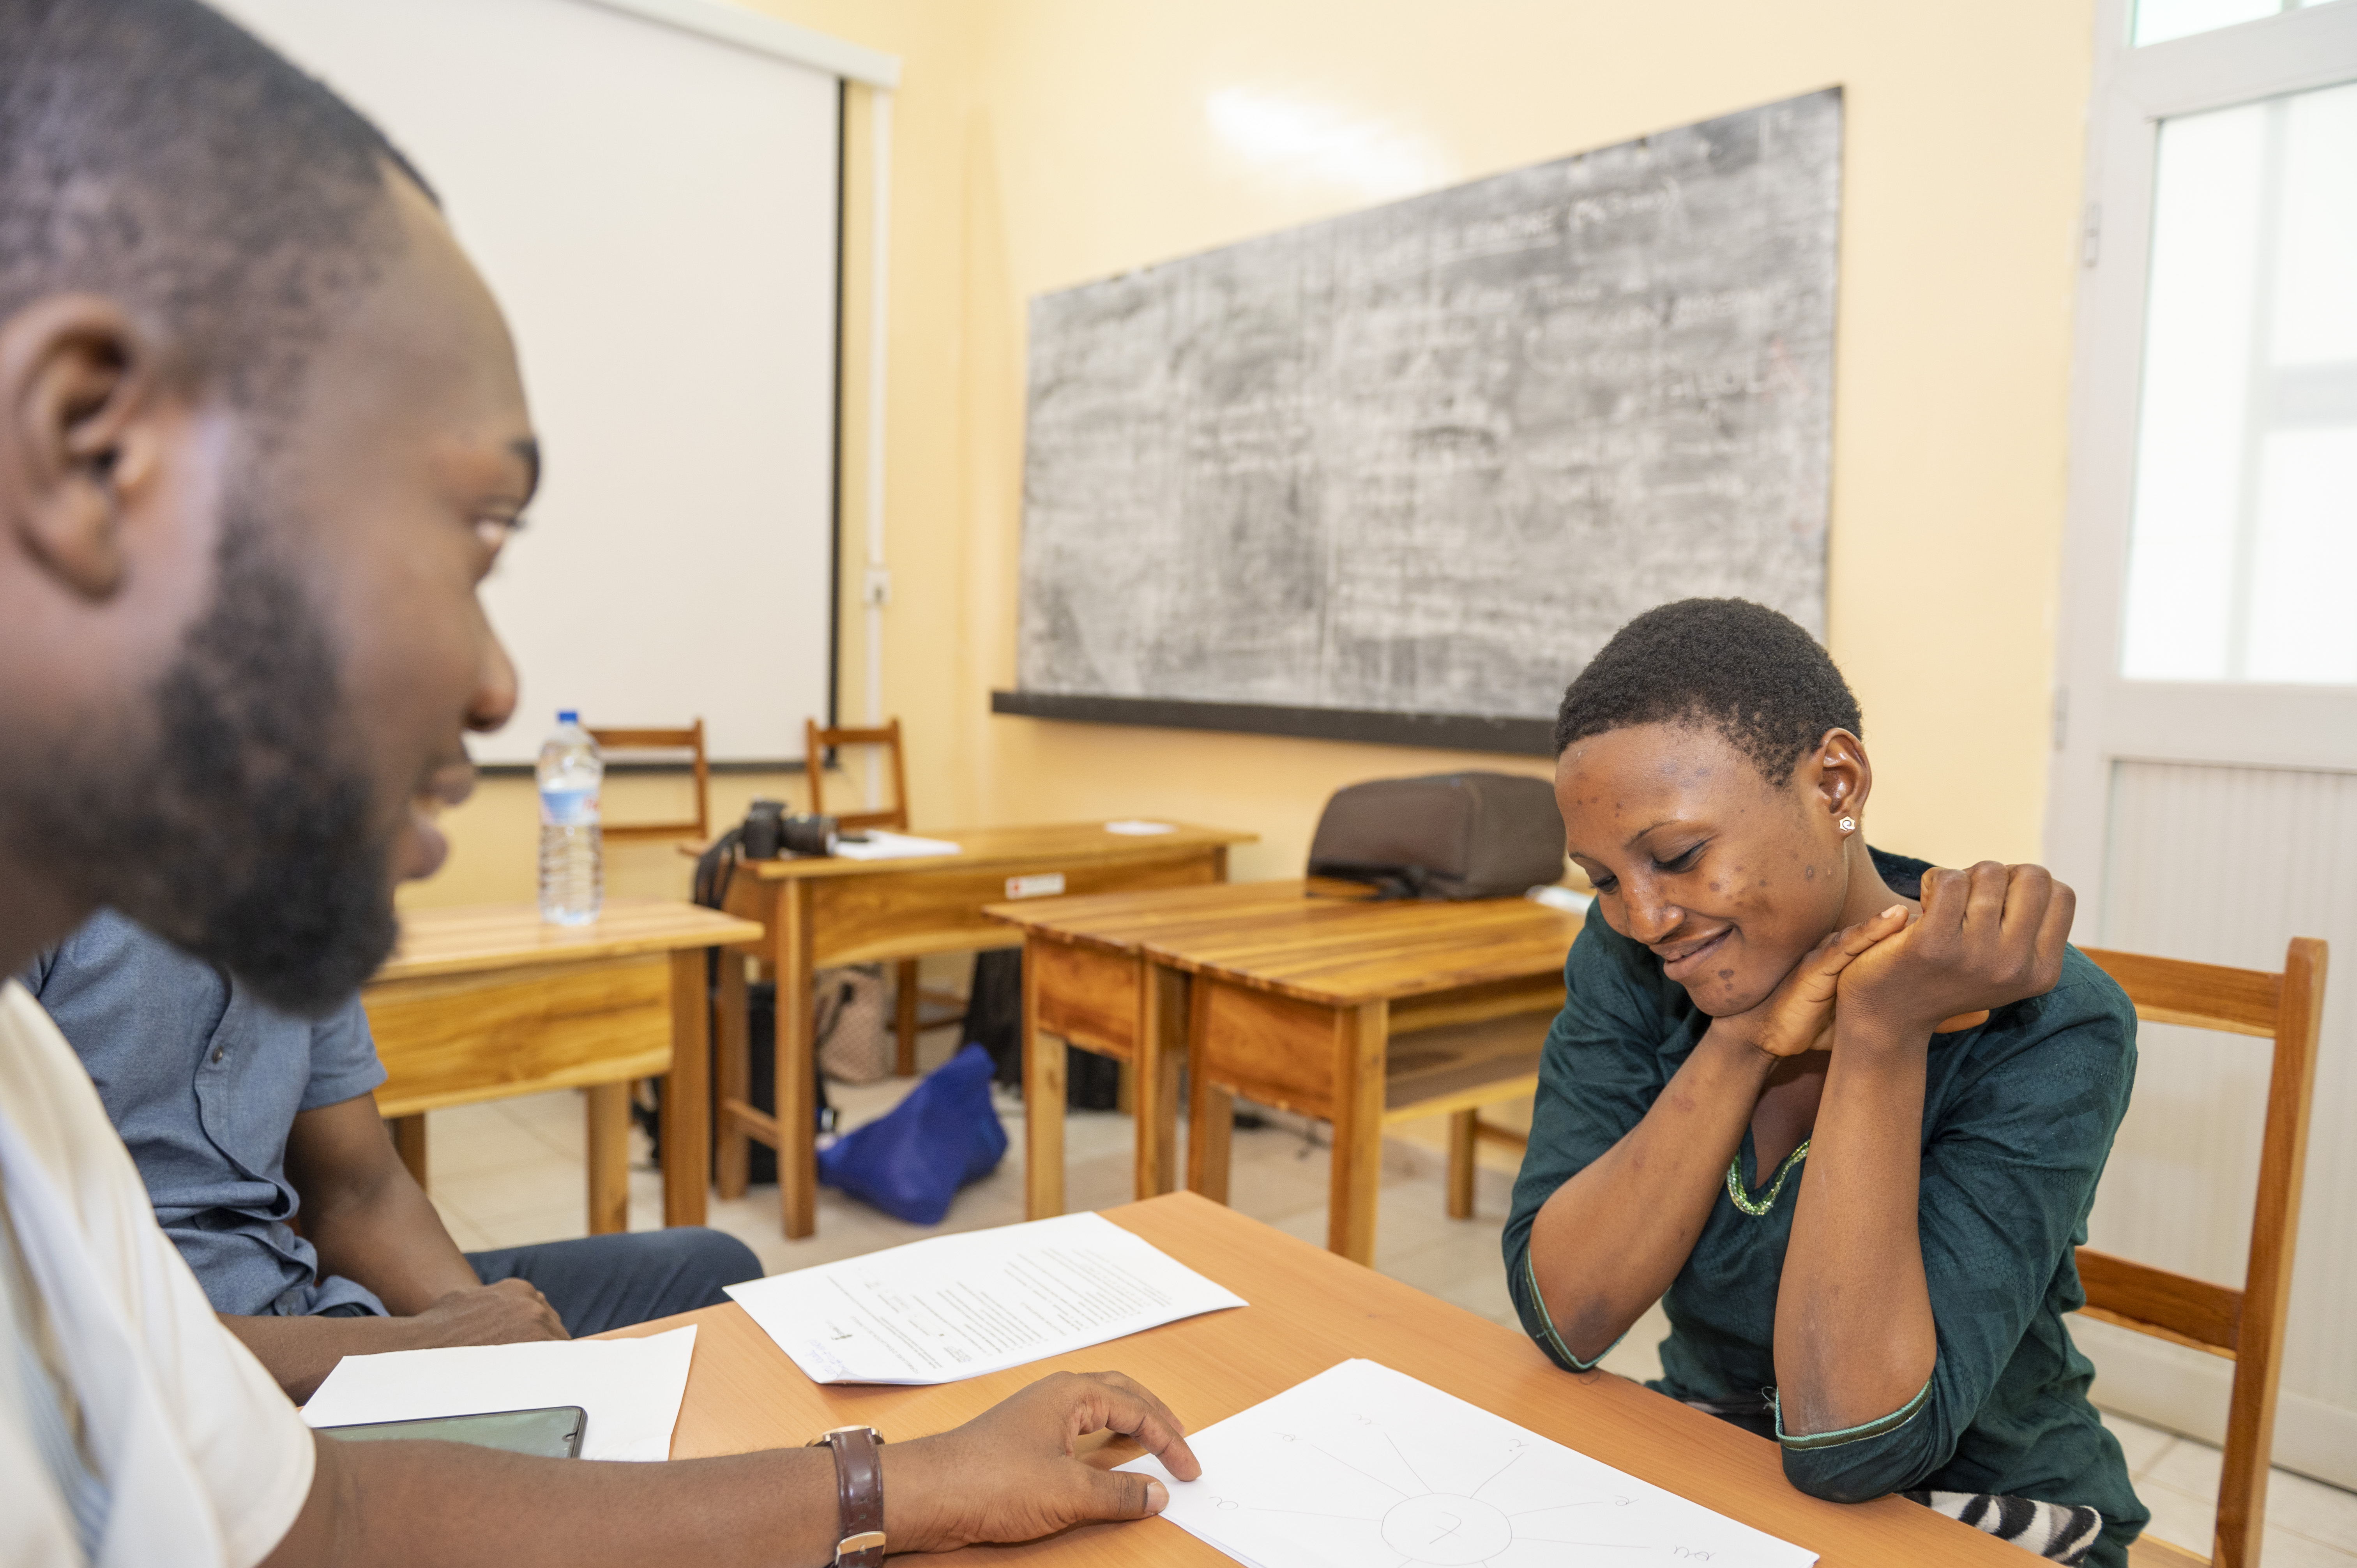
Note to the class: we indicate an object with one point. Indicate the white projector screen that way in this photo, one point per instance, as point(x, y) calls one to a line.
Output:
point(657, 212)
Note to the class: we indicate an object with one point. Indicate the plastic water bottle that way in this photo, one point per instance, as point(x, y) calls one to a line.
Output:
point(572, 870)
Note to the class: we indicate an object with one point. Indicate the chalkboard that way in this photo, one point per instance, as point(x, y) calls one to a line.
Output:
point(1398, 475)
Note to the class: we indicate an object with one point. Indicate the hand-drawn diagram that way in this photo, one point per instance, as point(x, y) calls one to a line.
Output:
point(1427, 458)
point(1366, 1467)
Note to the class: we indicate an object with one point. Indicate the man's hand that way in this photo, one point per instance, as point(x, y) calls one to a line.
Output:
point(508, 1313)
point(1797, 1015)
point(1987, 937)
point(301, 1351)
point(1010, 1474)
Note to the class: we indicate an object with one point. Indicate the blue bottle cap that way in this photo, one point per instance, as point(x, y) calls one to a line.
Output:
point(568, 715)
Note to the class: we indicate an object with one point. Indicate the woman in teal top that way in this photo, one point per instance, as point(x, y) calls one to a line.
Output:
point(1842, 1114)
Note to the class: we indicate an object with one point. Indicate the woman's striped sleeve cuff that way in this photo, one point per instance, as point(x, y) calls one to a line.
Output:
point(1803, 1443)
point(1553, 1340)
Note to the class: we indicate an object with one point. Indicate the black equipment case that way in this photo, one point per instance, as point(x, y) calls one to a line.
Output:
point(1450, 835)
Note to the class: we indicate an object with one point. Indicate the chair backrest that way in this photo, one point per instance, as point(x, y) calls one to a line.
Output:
point(821, 741)
point(612, 739)
point(2244, 1324)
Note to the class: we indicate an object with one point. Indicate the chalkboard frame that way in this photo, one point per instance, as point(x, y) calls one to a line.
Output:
point(1447, 731)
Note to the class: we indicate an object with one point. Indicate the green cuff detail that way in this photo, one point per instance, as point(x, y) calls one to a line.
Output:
point(1875, 1428)
point(1546, 1322)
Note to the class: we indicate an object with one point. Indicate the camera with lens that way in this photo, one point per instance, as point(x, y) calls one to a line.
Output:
point(769, 831)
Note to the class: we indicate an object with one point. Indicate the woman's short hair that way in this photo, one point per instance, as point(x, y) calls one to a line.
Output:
point(1742, 668)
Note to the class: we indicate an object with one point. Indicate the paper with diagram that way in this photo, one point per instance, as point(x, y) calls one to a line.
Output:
point(1364, 1468)
point(958, 1307)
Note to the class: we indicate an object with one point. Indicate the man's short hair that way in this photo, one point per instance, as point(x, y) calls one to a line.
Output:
point(153, 152)
point(1738, 668)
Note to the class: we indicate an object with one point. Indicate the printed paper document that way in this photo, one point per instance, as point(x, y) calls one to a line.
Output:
point(958, 1307)
point(1362, 1464)
point(629, 1389)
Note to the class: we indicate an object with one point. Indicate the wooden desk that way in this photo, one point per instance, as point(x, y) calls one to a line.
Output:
point(1288, 998)
point(825, 910)
point(486, 1001)
point(1309, 1310)
point(1088, 979)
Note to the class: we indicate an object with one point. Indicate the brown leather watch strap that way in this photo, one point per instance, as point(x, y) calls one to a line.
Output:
point(859, 1487)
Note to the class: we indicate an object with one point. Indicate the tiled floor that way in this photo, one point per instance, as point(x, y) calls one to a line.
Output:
point(509, 1173)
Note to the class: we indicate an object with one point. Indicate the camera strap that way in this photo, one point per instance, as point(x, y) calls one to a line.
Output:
point(715, 868)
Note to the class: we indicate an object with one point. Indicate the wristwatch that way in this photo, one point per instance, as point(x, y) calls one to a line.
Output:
point(859, 1485)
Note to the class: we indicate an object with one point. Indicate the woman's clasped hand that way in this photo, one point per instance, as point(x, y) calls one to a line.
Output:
point(1986, 936)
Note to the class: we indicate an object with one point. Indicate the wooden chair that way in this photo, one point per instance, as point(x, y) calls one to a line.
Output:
point(690, 740)
point(821, 740)
point(2244, 1326)
point(908, 997)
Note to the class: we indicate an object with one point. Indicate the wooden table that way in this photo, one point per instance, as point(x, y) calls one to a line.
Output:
point(1309, 1310)
point(1287, 992)
point(824, 910)
point(1089, 979)
point(486, 1001)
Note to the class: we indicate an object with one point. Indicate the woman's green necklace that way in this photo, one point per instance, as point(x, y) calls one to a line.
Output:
point(1761, 1205)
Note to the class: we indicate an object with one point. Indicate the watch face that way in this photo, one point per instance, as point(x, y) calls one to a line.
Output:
point(832, 1432)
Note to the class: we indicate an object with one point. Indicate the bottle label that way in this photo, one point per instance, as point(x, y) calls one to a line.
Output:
point(568, 808)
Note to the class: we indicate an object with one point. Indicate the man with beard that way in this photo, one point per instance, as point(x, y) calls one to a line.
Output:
point(262, 436)
point(244, 1118)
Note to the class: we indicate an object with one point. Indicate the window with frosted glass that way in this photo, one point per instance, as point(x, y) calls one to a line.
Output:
point(2158, 21)
point(2242, 545)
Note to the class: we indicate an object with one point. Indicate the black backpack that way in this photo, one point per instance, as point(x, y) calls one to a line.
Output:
point(715, 869)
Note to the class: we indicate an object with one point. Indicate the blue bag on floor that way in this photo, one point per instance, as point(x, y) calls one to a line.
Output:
point(911, 1160)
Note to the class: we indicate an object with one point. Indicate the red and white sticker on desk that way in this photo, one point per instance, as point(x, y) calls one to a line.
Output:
point(1038, 884)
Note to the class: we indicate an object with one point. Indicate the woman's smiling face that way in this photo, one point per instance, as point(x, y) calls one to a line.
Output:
point(1728, 879)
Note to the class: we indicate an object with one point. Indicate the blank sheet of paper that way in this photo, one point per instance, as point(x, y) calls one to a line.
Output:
point(883, 845)
point(1364, 1465)
point(958, 1307)
point(630, 1389)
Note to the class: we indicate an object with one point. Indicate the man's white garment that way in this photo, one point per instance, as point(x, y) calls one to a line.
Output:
point(202, 1458)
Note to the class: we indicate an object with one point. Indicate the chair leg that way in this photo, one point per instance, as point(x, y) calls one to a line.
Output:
point(408, 1143)
point(1462, 1136)
point(904, 1021)
point(1210, 1126)
point(734, 1057)
point(610, 1158)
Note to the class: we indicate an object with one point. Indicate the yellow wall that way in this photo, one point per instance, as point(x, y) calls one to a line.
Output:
point(1043, 143)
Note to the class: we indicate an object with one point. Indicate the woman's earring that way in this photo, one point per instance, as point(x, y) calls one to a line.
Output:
point(1849, 825)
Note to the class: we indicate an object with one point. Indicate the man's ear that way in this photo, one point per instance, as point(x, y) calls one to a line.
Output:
point(77, 401)
point(1843, 778)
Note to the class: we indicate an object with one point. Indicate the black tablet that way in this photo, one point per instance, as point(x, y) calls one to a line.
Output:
point(554, 1432)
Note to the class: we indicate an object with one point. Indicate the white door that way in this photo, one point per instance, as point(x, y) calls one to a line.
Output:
point(2204, 785)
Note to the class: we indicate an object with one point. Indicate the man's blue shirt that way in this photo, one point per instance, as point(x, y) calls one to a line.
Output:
point(204, 1084)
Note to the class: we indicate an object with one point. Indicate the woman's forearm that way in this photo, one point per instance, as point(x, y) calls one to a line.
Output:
point(1610, 1239)
point(1854, 1338)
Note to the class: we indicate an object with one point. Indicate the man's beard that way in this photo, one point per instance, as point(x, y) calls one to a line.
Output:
point(240, 825)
